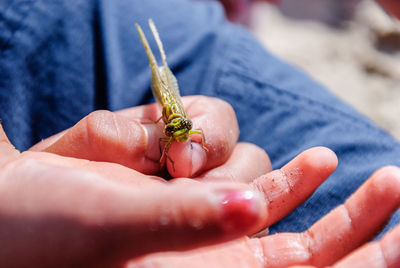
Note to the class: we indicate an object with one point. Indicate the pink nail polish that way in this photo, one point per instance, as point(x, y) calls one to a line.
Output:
point(240, 210)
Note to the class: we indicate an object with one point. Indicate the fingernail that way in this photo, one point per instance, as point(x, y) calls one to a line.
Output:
point(189, 158)
point(240, 210)
point(199, 159)
point(153, 134)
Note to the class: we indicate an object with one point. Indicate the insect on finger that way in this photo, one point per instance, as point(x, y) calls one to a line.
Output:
point(178, 127)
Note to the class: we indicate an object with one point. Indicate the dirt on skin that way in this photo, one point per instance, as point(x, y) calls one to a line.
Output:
point(356, 56)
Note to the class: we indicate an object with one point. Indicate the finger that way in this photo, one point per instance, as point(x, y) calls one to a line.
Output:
point(246, 163)
point(250, 253)
point(286, 188)
point(217, 120)
point(199, 217)
point(7, 150)
point(111, 171)
point(114, 172)
point(98, 220)
point(343, 229)
point(106, 136)
point(379, 254)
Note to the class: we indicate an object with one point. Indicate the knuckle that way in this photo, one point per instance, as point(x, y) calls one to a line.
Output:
point(259, 186)
point(308, 243)
point(96, 119)
point(99, 127)
point(106, 131)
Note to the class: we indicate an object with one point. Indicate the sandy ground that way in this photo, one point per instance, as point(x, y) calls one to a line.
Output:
point(359, 61)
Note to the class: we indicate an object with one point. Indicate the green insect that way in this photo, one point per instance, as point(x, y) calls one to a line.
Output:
point(178, 127)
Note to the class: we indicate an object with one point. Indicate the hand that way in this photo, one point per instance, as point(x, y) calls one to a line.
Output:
point(130, 138)
point(60, 211)
point(333, 240)
point(224, 160)
point(316, 164)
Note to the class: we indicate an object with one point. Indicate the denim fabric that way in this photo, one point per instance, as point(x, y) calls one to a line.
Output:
point(60, 61)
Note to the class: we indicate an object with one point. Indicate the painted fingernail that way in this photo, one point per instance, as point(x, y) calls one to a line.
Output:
point(240, 210)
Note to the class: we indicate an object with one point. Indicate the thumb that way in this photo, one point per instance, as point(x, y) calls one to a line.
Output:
point(109, 137)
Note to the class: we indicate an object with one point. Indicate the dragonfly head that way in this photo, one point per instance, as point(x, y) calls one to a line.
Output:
point(179, 129)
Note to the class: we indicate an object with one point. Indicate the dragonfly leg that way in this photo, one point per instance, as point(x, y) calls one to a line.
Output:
point(165, 152)
point(203, 138)
point(158, 120)
point(165, 139)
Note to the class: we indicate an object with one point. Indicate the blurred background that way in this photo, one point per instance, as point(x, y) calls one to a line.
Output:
point(350, 46)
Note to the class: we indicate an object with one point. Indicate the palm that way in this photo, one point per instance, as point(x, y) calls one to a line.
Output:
point(327, 242)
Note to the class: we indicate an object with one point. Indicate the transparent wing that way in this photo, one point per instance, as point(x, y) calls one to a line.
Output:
point(173, 90)
point(169, 91)
point(150, 55)
point(156, 77)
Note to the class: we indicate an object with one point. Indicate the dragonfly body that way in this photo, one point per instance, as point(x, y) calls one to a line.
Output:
point(178, 127)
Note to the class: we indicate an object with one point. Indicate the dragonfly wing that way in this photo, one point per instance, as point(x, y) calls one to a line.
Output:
point(150, 55)
point(169, 80)
point(163, 82)
point(173, 90)
point(156, 77)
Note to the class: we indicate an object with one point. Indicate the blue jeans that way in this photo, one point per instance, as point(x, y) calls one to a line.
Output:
point(60, 61)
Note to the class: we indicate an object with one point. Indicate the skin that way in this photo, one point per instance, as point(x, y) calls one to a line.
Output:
point(131, 138)
point(326, 243)
point(87, 211)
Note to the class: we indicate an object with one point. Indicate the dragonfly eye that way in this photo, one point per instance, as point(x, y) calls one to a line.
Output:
point(187, 123)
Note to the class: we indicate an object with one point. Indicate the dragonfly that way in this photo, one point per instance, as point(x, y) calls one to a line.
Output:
point(164, 85)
